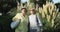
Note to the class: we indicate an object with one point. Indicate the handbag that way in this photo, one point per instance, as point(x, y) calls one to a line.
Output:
point(40, 26)
point(15, 24)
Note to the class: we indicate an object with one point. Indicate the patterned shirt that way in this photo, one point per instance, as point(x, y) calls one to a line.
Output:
point(23, 26)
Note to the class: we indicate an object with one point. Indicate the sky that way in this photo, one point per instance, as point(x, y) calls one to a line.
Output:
point(55, 1)
point(23, 1)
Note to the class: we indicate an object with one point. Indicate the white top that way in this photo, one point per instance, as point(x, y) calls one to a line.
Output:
point(33, 21)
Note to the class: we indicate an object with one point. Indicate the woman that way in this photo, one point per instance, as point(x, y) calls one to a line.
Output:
point(35, 21)
point(22, 27)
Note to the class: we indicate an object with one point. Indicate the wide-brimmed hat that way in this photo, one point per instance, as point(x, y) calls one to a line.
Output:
point(23, 8)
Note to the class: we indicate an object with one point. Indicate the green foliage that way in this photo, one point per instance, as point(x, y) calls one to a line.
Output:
point(32, 0)
point(49, 15)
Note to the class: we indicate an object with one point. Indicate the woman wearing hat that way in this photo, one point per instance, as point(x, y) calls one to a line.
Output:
point(22, 27)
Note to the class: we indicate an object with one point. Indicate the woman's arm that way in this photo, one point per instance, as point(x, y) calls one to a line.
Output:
point(15, 17)
point(39, 20)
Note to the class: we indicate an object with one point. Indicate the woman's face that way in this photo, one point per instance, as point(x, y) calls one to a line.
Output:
point(24, 11)
point(32, 12)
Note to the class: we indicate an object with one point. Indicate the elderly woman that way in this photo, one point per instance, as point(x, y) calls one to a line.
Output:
point(22, 27)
